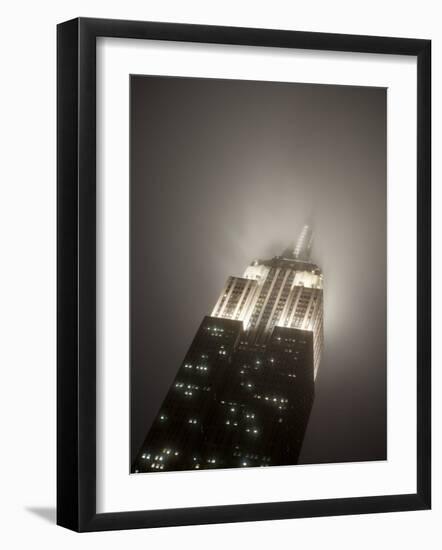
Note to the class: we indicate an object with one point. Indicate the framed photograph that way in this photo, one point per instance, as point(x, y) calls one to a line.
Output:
point(243, 274)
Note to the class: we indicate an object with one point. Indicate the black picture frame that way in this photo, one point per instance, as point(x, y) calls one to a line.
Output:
point(76, 274)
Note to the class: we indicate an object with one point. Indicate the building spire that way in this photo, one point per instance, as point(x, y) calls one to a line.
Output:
point(304, 244)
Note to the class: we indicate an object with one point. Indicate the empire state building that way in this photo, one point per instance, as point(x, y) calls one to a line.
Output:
point(243, 394)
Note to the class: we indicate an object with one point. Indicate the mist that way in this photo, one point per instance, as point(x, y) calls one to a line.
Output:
point(223, 172)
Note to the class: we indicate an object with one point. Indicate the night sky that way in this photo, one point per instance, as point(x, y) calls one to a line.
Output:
point(226, 171)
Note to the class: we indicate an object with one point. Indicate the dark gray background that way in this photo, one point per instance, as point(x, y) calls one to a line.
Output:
point(226, 171)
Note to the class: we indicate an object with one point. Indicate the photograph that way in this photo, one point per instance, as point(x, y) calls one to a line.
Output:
point(218, 249)
point(258, 274)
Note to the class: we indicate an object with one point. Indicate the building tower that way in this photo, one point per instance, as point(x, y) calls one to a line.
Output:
point(243, 394)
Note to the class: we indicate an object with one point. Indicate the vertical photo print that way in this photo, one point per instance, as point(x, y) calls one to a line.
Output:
point(258, 274)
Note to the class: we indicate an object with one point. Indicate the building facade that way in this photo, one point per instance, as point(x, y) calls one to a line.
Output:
point(243, 394)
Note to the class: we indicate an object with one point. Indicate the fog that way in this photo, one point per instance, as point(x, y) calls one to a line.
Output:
point(223, 172)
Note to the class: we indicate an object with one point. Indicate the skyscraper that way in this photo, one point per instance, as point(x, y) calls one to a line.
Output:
point(243, 394)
